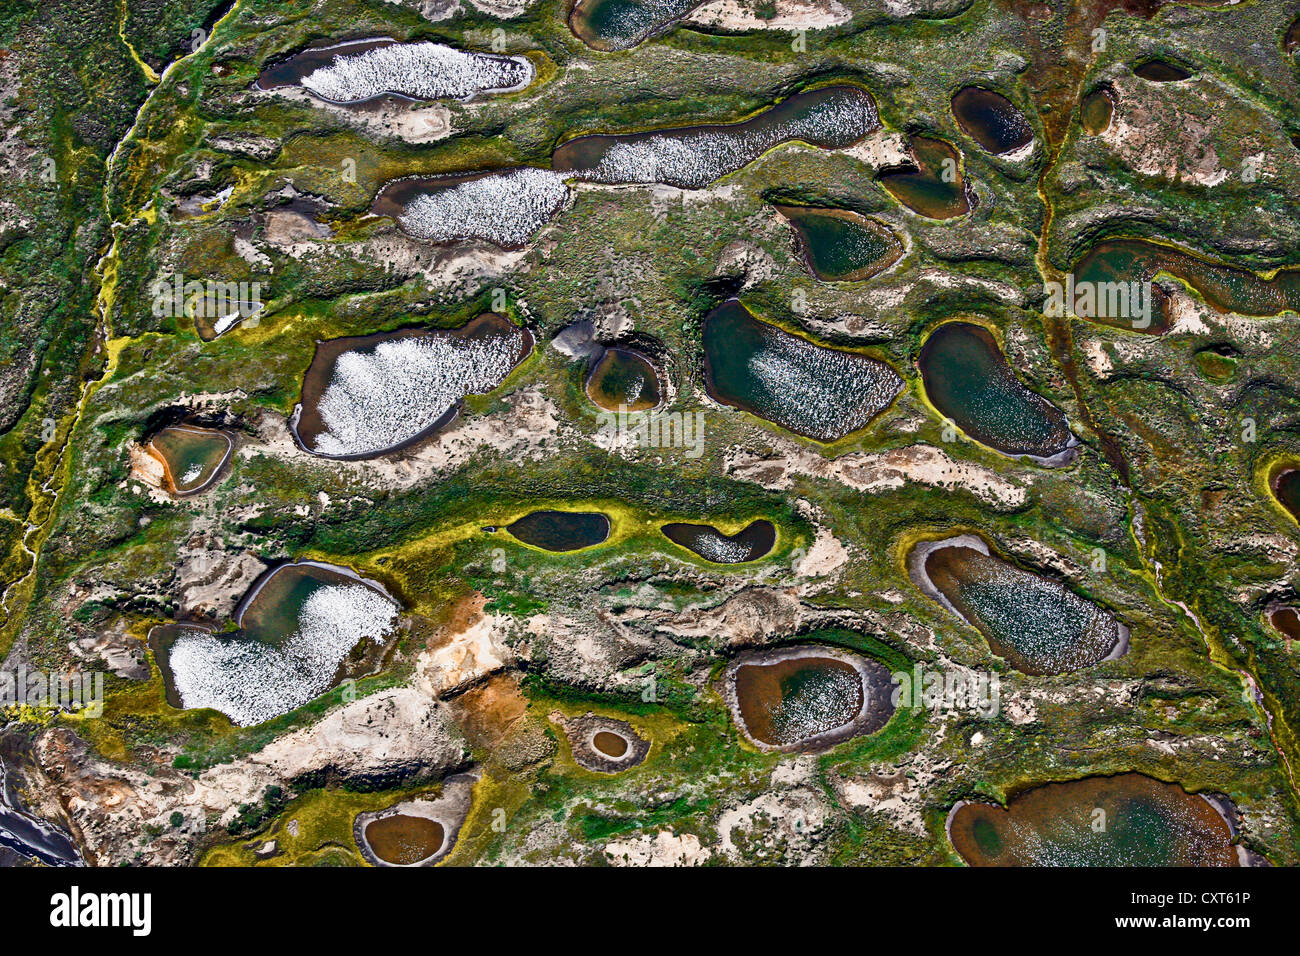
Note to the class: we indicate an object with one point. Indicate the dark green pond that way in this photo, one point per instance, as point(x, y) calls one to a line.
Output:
point(1128, 261)
point(839, 245)
point(1036, 624)
point(991, 120)
point(935, 187)
point(1161, 71)
point(814, 390)
point(749, 544)
point(1126, 820)
point(561, 530)
point(623, 379)
point(968, 379)
point(622, 24)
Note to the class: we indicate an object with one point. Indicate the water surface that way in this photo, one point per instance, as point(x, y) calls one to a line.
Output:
point(748, 544)
point(935, 187)
point(561, 530)
point(991, 120)
point(842, 246)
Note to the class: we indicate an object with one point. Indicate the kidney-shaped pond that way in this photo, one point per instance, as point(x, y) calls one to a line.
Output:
point(749, 544)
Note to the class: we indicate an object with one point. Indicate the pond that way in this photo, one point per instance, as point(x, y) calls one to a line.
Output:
point(359, 70)
point(968, 379)
point(749, 544)
point(624, 379)
point(807, 698)
point(1125, 820)
point(839, 245)
point(991, 120)
point(692, 157)
point(622, 24)
point(371, 395)
point(192, 457)
point(813, 390)
point(293, 635)
point(561, 530)
point(935, 186)
point(1035, 623)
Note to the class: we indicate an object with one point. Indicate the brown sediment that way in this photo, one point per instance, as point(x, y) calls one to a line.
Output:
point(1286, 620)
point(605, 368)
point(156, 449)
point(595, 742)
point(756, 682)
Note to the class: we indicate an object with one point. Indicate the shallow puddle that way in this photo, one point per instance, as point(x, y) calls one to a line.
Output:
point(371, 395)
point(814, 390)
point(692, 157)
point(561, 530)
point(1038, 625)
point(1097, 110)
point(968, 379)
point(1126, 820)
point(842, 246)
point(748, 544)
point(935, 187)
point(610, 744)
point(991, 120)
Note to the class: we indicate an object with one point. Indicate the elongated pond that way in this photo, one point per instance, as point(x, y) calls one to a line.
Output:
point(293, 633)
point(371, 395)
point(934, 187)
point(968, 379)
point(561, 530)
point(807, 698)
point(1111, 276)
point(504, 207)
point(840, 245)
point(692, 157)
point(1125, 820)
point(1038, 625)
point(748, 544)
point(360, 70)
point(622, 24)
point(814, 390)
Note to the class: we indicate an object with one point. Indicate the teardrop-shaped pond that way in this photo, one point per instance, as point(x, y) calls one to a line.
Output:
point(624, 380)
point(935, 187)
point(991, 120)
point(840, 245)
point(968, 379)
point(814, 390)
point(1038, 625)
